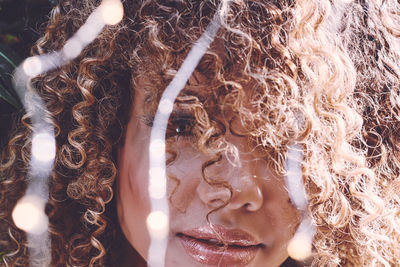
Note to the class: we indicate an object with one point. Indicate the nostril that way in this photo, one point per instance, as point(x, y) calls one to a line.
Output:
point(250, 206)
point(250, 199)
point(218, 196)
point(215, 203)
point(214, 196)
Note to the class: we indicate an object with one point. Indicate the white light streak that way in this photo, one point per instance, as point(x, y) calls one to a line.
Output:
point(157, 148)
point(43, 147)
point(28, 215)
point(294, 177)
point(87, 33)
point(157, 188)
point(157, 174)
point(72, 48)
point(300, 246)
point(157, 191)
point(166, 106)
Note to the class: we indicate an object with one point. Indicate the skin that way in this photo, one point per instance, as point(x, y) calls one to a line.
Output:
point(259, 205)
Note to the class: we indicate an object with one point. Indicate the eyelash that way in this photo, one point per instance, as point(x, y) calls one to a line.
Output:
point(180, 125)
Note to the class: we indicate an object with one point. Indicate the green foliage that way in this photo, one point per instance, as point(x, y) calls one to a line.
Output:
point(9, 101)
point(8, 62)
point(2, 253)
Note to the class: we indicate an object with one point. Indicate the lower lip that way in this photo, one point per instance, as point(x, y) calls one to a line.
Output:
point(215, 255)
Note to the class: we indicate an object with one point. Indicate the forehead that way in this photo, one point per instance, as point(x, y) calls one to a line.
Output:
point(208, 90)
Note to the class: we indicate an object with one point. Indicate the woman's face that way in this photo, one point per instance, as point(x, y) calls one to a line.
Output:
point(252, 230)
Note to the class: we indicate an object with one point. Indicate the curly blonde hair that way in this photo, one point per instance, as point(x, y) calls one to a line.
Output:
point(324, 74)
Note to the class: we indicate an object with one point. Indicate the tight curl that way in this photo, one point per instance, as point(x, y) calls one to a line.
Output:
point(323, 74)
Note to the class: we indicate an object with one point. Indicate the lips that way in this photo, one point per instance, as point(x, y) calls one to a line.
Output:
point(218, 246)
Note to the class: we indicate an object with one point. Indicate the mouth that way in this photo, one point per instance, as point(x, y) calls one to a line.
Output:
point(218, 246)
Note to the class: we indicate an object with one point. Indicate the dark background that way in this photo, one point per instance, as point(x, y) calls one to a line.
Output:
point(22, 22)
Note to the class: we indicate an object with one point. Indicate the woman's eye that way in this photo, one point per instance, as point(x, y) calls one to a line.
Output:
point(181, 126)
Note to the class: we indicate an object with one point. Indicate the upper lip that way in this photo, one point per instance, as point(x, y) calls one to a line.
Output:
point(220, 234)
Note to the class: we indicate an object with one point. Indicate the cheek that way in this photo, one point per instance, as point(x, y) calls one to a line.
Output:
point(133, 203)
point(287, 217)
point(181, 192)
point(184, 175)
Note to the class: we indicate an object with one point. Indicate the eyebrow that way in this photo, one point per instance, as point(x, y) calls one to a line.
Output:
point(146, 119)
point(196, 93)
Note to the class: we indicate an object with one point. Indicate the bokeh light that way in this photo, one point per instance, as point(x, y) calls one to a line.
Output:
point(43, 147)
point(157, 224)
point(300, 246)
point(28, 215)
point(32, 66)
point(112, 11)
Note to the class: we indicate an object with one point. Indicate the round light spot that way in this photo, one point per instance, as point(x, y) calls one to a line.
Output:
point(72, 48)
point(157, 191)
point(157, 224)
point(157, 148)
point(32, 66)
point(28, 215)
point(165, 106)
point(112, 11)
point(300, 246)
point(43, 147)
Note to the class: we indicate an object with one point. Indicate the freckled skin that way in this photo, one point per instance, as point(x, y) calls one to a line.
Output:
point(259, 205)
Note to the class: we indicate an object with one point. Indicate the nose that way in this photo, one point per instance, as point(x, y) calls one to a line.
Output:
point(239, 190)
point(248, 195)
